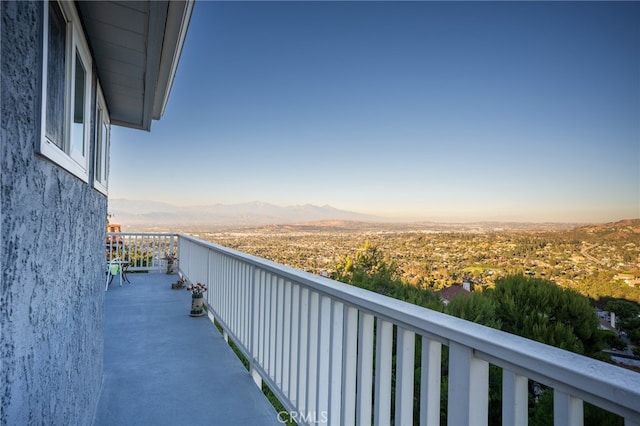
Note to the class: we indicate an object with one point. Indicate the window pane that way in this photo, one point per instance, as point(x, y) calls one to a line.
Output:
point(99, 144)
point(105, 153)
point(55, 76)
point(77, 131)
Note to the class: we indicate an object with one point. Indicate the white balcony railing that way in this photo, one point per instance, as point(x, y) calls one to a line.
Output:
point(326, 350)
point(145, 252)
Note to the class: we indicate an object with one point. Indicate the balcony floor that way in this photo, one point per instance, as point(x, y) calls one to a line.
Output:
point(163, 367)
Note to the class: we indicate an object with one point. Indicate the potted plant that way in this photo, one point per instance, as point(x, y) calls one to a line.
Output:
point(178, 284)
point(197, 299)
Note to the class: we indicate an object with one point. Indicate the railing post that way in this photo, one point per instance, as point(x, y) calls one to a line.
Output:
point(468, 399)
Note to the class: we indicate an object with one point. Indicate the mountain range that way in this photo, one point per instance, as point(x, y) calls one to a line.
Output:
point(139, 213)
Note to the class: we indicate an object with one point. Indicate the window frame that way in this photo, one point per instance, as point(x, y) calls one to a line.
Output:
point(102, 147)
point(73, 160)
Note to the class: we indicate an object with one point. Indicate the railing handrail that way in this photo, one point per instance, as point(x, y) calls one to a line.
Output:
point(605, 385)
point(158, 234)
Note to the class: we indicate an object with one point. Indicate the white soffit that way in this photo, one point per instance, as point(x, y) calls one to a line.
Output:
point(136, 46)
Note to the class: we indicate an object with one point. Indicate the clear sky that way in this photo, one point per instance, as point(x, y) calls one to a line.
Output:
point(424, 110)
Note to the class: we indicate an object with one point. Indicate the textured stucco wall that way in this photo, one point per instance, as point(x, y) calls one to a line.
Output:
point(52, 250)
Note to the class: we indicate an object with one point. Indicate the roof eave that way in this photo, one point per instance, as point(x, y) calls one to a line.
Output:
point(178, 18)
point(136, 80)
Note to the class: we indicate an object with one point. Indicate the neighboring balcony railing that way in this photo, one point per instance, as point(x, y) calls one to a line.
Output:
point(327, 350)
point(143, 251)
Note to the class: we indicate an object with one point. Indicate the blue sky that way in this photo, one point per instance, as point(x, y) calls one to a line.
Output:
point(415, 110)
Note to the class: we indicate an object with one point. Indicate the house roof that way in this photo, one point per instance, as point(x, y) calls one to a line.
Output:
point(452, 291)
point(136, 47)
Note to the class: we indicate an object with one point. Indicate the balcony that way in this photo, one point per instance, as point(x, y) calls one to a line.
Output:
point(333, 353)
point(163, 367)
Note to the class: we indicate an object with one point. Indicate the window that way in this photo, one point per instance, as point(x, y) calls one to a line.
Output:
point(101, 167)
point(66, 90)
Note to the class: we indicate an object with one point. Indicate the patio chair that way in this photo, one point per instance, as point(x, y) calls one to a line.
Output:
point(115, 267)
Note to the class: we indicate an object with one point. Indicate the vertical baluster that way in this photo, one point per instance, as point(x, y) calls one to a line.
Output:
point(468, 401)
point(246, 304)
point(336, 363)
point(384, 353)
point(172, 246)
point(215, 290)
point(405, 359)
point(237, 283)
point(295, 345)
point(221, 287)
point(324, 358)
point(248, 317)
point(148, 256)
point(262, 324)
point(302, 339)
point(272, 326)
point(286, 339)
point(350, 354)
point(267, 323)
point(365, 369)
point(514, 399)
point(240, 302)
point(567, 410)
point(255, 323)
point(312, 350)
point(279, 332)
point(228, 292)
point(231, 295)
point(430, 373)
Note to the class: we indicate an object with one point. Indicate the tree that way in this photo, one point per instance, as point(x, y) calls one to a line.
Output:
point(475, 307)
point(370, 270)
point(541, 310)
point(624, 310)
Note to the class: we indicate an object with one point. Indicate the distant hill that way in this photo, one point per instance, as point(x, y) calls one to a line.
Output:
point(137, 213)
point(626, 225)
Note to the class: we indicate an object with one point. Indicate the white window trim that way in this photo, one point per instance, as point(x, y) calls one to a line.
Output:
point(75, 163)
point(104, 146)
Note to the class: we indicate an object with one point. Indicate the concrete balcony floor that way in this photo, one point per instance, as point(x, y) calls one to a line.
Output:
point(163, 367)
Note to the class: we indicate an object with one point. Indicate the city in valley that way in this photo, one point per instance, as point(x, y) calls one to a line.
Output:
point(599, 261)
point(595, 260)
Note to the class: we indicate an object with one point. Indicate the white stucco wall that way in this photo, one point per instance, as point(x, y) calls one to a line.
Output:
point(52, 249)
